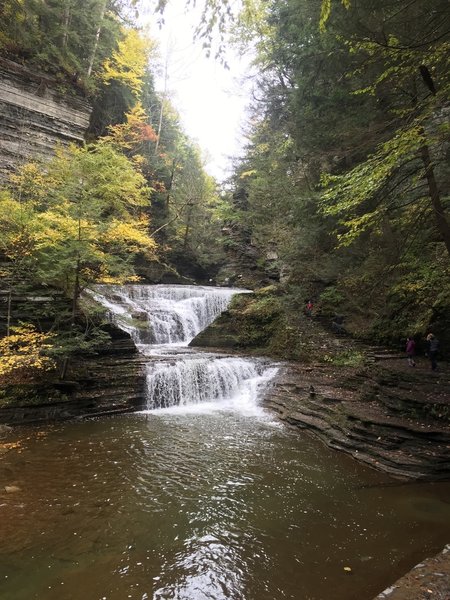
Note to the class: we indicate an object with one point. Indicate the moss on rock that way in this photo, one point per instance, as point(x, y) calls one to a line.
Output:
point(258, 323)
point(30, 395)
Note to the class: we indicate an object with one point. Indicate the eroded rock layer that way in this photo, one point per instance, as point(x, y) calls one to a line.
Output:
point(390, 421)
point(110, 383)
point(35, 116)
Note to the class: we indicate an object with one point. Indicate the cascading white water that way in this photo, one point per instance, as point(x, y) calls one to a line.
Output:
point(201, 379)
point(170, 316)
point(163, 314)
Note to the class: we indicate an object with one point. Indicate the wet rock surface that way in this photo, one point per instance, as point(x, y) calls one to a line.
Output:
point(386, 415)
point(391, 420)
point(101, 387)
point(108, 384)
point(357, 398)
point(429, 580)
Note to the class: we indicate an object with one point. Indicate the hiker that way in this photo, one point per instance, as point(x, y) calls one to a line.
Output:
point(337, 324)
point(433, 347)
point(309, 308)
point(411, 351)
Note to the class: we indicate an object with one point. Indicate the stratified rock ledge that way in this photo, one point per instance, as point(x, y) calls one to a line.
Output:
point(391, 421)
point(111, 383)
point(429, 579)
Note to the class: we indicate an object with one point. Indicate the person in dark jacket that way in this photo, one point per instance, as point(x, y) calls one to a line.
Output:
point(411, 351)
point(433, 347)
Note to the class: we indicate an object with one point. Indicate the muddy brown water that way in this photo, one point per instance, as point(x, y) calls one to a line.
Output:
point(204, 504)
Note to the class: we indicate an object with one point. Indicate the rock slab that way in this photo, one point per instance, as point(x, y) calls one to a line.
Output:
point(428, 580)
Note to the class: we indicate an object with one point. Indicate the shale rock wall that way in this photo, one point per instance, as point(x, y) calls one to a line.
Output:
point(359, 399)
point(35, 116)
point(110, 383)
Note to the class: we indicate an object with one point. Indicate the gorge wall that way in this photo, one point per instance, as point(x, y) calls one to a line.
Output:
point(37, 116)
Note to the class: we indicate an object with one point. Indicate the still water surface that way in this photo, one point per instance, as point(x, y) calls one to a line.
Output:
point(204, 504)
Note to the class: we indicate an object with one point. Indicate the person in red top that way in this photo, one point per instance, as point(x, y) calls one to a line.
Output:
point(309, 308)
point(411, 351)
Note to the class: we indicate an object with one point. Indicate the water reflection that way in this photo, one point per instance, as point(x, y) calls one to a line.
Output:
point(204, 505)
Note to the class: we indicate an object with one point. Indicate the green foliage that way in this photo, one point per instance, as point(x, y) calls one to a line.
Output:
point(86, 341)
point(21, 394)
point(370, 180)
point(346, 171)
point(331, 300)
point(62, 37)
point(255, 318)
point(79, 220)
point(346, 358)
point(325, 12)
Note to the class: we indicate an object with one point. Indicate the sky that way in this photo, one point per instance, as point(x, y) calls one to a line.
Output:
point(210, 99)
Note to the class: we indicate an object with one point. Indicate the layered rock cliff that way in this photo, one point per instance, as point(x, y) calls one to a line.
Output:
point(36, 116)
point(111, 382)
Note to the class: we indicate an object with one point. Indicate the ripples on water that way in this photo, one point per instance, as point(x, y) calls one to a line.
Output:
point(204, 505)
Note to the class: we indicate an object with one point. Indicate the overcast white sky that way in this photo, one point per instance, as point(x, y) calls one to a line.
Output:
point(210, 99)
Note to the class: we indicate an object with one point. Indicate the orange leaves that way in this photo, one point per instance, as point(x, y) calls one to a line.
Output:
point(132, 134)
point(148, 134)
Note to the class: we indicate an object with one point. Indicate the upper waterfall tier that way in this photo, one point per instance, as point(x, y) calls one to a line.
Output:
point(163, 314)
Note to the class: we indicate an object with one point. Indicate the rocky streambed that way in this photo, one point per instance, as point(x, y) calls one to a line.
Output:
point(429, 579)
point(392, 420)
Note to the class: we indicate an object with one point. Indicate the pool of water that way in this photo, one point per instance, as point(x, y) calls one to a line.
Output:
point(208, 503)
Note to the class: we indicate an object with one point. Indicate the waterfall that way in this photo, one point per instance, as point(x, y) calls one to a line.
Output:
point(162, 320)
point(194, 380)
point(163, 314)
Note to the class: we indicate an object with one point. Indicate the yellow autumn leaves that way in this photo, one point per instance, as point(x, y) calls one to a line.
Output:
point(22, 354)
point(79, 219)
point(128, 63)
point(87, 210)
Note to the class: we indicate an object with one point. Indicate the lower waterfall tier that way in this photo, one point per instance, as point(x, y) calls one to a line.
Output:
point(198, 379)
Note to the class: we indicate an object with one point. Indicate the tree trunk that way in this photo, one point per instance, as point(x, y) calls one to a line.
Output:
point(187, 229)
point(163, 97)
point(76, 290)
point(439, 212)
point(97, 37)
point(170, 184)
point(64, 368)
point(8, 318)
point(65, 24)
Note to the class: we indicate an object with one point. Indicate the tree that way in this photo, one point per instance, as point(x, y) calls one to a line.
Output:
point(81, 221)
point(406, 47)
point(128, 64)
point(364, 100)
point(60, 36)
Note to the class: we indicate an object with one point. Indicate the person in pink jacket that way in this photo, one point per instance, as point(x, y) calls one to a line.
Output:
point(411, 351)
